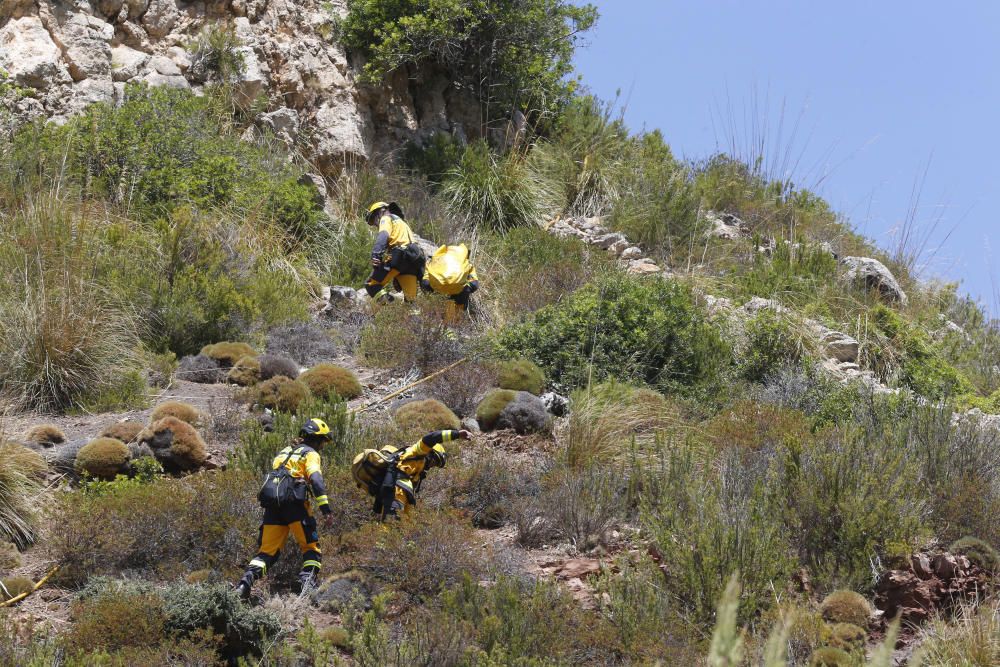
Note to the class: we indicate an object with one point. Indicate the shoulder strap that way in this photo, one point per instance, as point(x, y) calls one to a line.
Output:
point(288, 458)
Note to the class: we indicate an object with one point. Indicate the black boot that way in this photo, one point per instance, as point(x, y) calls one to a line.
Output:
point(307, 581)
point(244, 586)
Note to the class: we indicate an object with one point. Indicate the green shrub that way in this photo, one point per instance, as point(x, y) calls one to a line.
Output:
point(521, 375)
point(20, 470)
point(11, 587)
point(227, 353)
point(113, 622)
point(281, 394)
point(179, 410)
point(419, 418)
point(771, 344)
point(829, 656)
point(847, 637)
point(492, 405)
point(752, 426)
point(510, 56)
point(331, 382)
point(216, 56)
point(102, 458)
point(646, 331)
point(496, 192)
point(408, 336)
point(846, 607)
point(45, 434)
point(435, 157)
point(245, 373)
point(10, 556)
point(978, 552)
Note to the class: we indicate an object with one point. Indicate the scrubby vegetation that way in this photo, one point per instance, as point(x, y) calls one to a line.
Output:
point(521, 375)
point(281, 393)
point(179, 410)
point(103, 458)
point(331, 381)
point(418, 418)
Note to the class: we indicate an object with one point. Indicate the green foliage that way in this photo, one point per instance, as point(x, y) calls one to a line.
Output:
point(20, 470)
point(799, 272)
point(281, 394)
point(227, 353)
point(727, 649)
point(521, 375)
point(418, 418)
point(828, 656)
point(330, 382)
point(848, 637)
point(647, 331)
point(978, 552)
point(846, 607)
point(771, 343)
point(496, 192)
point(103, 458)
point(111, 622)
point(492, 405)
point(13, 586)
point(412, 336)
point(434, 158)
point(510, 54)
point(216, 53)
point(245, 372)
point(143, 470)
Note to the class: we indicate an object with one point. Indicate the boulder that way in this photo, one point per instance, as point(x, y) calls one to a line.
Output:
point(758, 303)
point(525, 414)
point(606, 241)
point(838, 345)
point(873, 274)
point(643, 267)
point(630, 253)
point(126, 62)
point(253, 78)
point(725, 226)
point(283, 123)
point(556, 404)
point(159, 17)
point(86, 46)
point(29, 56)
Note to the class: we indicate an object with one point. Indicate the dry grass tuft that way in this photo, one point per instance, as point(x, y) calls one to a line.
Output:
point(20, 469)
point(127, 431)
point(180, 410)
point(45, 434)
point(417, 418)
point(331, 381)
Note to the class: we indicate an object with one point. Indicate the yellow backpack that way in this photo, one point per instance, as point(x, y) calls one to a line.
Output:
point(449, 269)
point(370, 466)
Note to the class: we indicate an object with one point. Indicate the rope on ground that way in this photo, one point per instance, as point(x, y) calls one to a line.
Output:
point(396, 393)
point(41, 582)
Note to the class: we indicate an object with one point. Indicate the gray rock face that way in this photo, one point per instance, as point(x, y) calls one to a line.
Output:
point(556, 404)
point(29, 55)
point(725, 226)
point(874, 275)
point(126, 62)
point(839, 345)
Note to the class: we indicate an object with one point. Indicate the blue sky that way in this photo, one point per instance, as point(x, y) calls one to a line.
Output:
point(884, 94)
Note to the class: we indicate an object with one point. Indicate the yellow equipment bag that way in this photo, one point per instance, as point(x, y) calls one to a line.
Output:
point(369, 467)
point(449, 269)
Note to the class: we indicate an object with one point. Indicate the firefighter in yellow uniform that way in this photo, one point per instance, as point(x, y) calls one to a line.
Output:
point(450, 273)
point(402, 481)
point(303, 461)
point(395, 255)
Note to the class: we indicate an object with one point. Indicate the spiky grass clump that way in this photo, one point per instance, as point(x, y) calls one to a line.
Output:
point(846, 607)
point(178, 409)
point(971, 637)
point(103, 458)
point(45, 434)
point(11, 587)
point(20, 470)
point(282, 394)
point(246, 372)
point(978, 552)
point(127, 431)
point(273, 365)
point(521, 375)
point(227, 353)
point(492, 405)
point(417, 418)
point(329, 381)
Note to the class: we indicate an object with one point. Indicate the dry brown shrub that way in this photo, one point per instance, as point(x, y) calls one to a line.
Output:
point(282, 394)
point(13, 586)
point(245, 373)
point(176, 444)
point(103, 458)
point(417, 418)
point(111, 623)
point(330, 381)
point(846, 607)
point(227, 353)
point(179, 410)
point(127, 431)
point(45, 434)
point(752, 426)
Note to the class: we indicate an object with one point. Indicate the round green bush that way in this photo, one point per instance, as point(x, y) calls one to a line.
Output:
point(281, 393)
point(846, 607)
point(829, 656)
point(331, 381)
point(227, 353)
point(46, 434)
point(14, 586)
point(492, 405)
point(127, 431)
point(179, 410)
point(245, 373)
point(103, 458)
point(521, 375)
point(847, 637)
point(978, 552)
point(418, 418)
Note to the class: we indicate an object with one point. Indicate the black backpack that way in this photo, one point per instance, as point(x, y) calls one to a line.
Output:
point(280, 488)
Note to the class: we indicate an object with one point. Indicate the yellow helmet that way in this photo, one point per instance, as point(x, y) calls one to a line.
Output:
point(315, 428)
point(437, 457)
point(377, 206)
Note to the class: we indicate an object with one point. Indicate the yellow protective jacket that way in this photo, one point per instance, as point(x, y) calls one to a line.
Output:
point(413, 462)
point(304, 463)
point(393, 232)
point(449, 271)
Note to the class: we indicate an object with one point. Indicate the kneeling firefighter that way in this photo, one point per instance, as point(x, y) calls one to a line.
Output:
point(285, 496)
point(393, 477)
point(395, 255)
point(449, 272)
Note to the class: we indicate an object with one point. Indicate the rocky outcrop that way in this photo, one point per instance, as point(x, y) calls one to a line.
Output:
point(593, 232)
point(725, 226)
point(69, 55)
point(929, 582)
point(874, 275)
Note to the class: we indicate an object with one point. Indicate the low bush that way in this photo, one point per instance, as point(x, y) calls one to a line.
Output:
point(127, 431)
point(272, 365)
point(846, 607)
point(113, 622)
point(306, 343)
point(176, 444)
point(245, 372)
point(10, 556)
point(848, 637)
point(521, 375)
point(45, 434)
point(648, 331)
point(179, 410)
point(331, 382)
point(525, 414)
point(150, 529)
point(575, 505)
point(418, 418)
point(200, 368)
point(489, 409)
point(403, 336)
point(281, 394)
point(20, 472)
point(103, 458)
point(752, 426)
point(462, 389)
point(13, 586)
point(771, 344)
point(227, 353)
point(491, 488)
point(828, 656)
point(978, 552)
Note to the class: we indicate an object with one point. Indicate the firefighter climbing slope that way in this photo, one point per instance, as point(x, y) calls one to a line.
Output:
point(395, 256)
point(285, 497)
point(393, 477)
point(450, 272)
